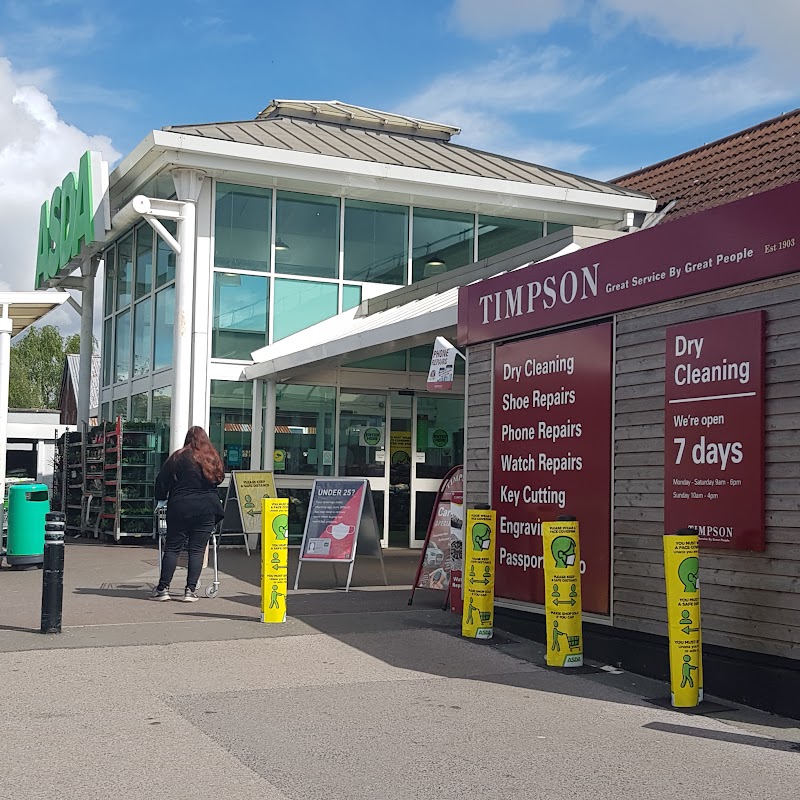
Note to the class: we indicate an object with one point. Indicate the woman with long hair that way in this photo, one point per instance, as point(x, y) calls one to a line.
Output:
point(189, 480)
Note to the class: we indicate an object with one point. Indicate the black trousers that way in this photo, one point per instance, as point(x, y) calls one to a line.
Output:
point(192, 533)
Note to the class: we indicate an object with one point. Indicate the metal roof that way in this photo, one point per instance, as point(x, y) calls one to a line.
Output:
point(74, 369)
point(402, 141)
point(25, 308)
point(339, 112)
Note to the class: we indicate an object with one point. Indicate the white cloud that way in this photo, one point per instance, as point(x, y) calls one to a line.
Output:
point(37, 148)
point(677, 100)
point(488, 101)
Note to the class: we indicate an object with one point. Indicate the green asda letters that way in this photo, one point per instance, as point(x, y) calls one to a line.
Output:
point(65, 221)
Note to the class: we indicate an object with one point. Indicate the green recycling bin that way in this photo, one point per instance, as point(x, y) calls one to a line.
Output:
point(27, 505)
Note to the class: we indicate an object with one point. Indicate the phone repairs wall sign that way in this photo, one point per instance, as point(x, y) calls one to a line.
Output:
point(714, 431)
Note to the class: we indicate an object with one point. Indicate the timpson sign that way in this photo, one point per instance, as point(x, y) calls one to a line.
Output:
point(740, 242)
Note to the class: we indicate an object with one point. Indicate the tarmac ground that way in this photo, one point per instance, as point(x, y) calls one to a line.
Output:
point(358, 695)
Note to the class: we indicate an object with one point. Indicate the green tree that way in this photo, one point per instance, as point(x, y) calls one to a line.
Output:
point(37, 365)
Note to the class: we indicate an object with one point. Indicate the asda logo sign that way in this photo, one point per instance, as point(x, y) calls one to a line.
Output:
point(75, 216)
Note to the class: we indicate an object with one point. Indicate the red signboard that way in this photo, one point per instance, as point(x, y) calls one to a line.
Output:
point(435, 563)
point(714, 430)
point(748, 240)
point(333, 519)
point(551, 444)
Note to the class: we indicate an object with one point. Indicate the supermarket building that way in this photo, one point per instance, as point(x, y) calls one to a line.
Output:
point(280, 281)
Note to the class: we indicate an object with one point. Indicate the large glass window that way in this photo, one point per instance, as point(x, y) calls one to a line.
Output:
point(242, 227)
point(241, 304)
point(498, 234)
point(362, 434)
point(142, 333)
point(307, 235)
point(124, 271)
point(375, 242)
point(122, 347)
point(351, 297)
point(119, 408)
point(230, 421)
point(299, 304)
point(109, 268)
point(304, 421)
point(108, 355)
point(442, 242)
point(440, 434)
point(164, 327)
point(139, 407)
point(144, 260)
point(165, 256)
point(162, 405)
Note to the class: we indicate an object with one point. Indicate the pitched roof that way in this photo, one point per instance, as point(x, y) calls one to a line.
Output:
point(744, 163)
point(332, 128)
point(72, 368)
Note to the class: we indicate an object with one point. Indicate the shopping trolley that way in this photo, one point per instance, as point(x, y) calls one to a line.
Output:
point(574, 642)
point(160, 525)
point(485, 616)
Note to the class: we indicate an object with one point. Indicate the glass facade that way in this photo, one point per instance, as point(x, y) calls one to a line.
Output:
point(241, 309)
point(230, 422)
point(242, 227)
point(299, 304)
point(124, 272)
point(442, 242)
point(375, 242)
point(122, 347)
point(304, 427)
point(307, 235)
point(498, 234)
point(142, 337)
point(144, 260)
point(165, 256)
point(164, 326)
point(139, 407)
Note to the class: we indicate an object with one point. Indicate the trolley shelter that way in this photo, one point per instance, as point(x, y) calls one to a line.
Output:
point(341, 524)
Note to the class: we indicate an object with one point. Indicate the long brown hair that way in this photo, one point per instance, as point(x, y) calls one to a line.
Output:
point(198, 447)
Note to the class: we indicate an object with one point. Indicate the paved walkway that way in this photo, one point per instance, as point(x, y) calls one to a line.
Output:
point(356, 696)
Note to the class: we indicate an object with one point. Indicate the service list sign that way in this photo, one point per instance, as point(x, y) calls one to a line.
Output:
point(551, 439)
point(714, 431)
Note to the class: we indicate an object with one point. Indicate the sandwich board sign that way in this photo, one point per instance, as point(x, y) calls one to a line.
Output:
point(340, 524)
point(243, 499)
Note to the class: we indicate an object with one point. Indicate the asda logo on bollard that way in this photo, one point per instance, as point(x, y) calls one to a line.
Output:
point(75, 216)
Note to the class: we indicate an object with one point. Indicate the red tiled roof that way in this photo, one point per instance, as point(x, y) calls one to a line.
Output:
point(745, 163)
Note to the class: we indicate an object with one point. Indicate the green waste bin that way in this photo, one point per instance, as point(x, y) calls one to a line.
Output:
point(27, 506)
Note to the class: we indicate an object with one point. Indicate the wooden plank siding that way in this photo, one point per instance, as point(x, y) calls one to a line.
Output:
point(750, 601)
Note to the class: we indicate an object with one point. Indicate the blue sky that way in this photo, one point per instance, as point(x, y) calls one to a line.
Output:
point(596, 87)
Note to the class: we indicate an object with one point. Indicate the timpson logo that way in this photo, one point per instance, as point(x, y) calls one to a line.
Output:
point(714, 531)
point(572, 287)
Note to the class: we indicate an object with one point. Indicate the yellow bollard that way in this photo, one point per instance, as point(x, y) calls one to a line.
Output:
point(562, 585)
point(477, 616)
point(274, 558)
point(681, 571)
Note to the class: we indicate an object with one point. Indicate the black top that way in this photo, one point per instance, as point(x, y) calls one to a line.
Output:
point(190, 493)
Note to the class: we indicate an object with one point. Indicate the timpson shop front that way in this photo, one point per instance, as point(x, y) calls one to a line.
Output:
point(643, 385)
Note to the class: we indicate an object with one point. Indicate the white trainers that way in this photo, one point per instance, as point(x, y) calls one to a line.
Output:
point(159, 594)
point(190, 596)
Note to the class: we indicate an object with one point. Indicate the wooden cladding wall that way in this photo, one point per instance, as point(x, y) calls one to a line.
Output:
point(750, 601)
point(479, 425)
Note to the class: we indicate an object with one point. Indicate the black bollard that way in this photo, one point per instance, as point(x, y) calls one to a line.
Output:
point(53, 572)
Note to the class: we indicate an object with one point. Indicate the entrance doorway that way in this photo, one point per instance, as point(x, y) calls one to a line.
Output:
point(404, 444)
